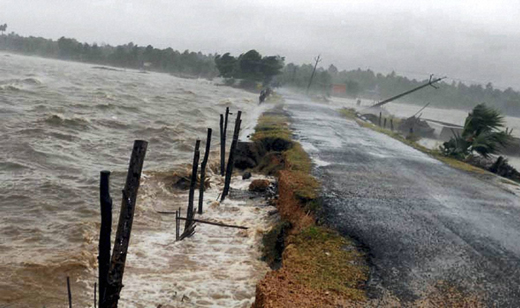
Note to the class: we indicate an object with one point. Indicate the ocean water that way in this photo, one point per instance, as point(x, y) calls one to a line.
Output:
point(61, 123)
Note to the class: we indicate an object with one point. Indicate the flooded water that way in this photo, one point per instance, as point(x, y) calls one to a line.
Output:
point(61, 124)
point(453, 116)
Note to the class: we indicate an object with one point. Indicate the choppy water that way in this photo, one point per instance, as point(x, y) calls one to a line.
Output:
point(61, 123)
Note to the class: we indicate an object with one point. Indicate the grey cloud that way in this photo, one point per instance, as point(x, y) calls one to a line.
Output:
point(470, 40)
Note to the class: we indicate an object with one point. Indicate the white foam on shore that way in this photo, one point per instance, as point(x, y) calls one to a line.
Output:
point(252, 116)
point(216, 267)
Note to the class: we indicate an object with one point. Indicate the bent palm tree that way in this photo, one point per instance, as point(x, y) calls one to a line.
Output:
point(480, 134)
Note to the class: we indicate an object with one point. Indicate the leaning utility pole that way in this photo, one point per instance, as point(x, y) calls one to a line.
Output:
point(318, 60)
point(429, 83)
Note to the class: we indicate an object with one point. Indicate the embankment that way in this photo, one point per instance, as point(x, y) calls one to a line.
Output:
point(312, 265)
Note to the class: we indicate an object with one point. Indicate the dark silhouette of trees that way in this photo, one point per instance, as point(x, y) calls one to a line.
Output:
point(251, 67)
point(187, 64)
point(376, 86)
point(227, 65)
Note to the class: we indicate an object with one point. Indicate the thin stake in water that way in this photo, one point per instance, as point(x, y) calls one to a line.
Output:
point(203, 172)
point(69, 292)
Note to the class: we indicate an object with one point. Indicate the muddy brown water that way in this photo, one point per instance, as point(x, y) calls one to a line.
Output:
point(61, 124)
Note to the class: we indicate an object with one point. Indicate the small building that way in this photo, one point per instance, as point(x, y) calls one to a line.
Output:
point(339, 90)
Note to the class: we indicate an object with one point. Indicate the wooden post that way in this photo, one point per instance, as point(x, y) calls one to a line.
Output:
point(191, 213)
point(222, 147)
point(104, 234)
point(231, 159)
point(177, 225)
point(380, 119)
point(124, 228)
point(226, 122)
point(384, 125)
point(392, 124)
point(203, 171)
point(69, 292)
point(223, 144)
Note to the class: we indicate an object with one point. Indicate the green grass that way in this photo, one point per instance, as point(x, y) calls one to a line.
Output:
point(316, 257)
point(321, 262)
point(272, 127)
point(297, 159)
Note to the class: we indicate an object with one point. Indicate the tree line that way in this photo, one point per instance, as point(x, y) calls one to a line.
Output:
point(252, 68)
point(168, 60)
point(376, 86)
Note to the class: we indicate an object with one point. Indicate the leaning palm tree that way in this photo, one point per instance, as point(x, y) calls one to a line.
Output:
point(481, 134)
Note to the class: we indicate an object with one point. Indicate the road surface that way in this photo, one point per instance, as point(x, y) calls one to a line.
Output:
point(421, 221)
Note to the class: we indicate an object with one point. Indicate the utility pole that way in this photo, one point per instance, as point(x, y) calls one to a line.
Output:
point(318, 60)
point(430, 82)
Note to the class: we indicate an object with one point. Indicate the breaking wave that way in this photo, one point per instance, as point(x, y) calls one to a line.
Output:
point(62, 130)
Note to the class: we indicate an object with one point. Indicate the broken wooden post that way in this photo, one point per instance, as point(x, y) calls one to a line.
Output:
point(191, 213)
point(392, 124)
point(104, 234)
point(380, 113)
point(384, 123)
point(203, 171)
point(214, 223)
point(222, 147)
point(69, 292)
point(124, 228)
point(231, 159)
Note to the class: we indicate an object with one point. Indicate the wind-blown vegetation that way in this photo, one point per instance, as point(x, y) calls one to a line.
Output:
point(481, 134)
point(251, 67)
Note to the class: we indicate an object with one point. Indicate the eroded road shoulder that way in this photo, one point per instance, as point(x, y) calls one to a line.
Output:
point(428, 228)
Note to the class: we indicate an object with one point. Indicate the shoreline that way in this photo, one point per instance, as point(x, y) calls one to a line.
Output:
point(312, 264)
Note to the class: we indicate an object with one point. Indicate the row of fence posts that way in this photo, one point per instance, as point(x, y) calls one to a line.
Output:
point(112, 264)
point(384, 122)
point(189, 227)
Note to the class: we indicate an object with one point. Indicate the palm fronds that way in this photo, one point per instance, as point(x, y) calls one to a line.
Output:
point(480, 134)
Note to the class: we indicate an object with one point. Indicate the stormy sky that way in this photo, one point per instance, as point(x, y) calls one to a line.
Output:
point(472, 41)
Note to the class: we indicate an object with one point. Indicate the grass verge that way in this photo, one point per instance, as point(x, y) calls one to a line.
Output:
point(319, 268)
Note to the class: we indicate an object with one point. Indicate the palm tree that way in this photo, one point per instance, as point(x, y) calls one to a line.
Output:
point(480, 134)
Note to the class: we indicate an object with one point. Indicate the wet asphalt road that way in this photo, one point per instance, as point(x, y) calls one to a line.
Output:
point(421, 221)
